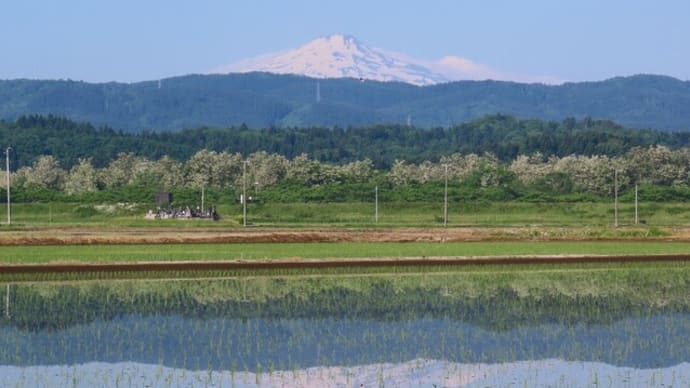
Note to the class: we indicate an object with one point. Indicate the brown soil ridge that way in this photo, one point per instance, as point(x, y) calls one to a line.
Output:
point(334, 263)
point(103, 236)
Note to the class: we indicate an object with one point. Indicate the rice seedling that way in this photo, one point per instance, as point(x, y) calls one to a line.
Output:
point(250, 327)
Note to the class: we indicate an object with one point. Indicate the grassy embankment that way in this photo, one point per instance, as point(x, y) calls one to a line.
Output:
point(272, 251)
point(357, 214)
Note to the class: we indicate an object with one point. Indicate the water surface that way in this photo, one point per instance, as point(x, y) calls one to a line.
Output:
point(371, 330)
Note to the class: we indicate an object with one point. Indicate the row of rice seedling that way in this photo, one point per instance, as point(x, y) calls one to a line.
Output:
point(392, 290)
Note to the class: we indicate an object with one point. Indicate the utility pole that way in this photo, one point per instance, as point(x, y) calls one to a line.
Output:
point(376, 204)
point(244, 193)
point(7, 166)
point(445, 197)
point(615, 197)
point(637, 220)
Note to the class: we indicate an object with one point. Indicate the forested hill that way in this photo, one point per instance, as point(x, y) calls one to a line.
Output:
point(504, 136)
point(263, 100)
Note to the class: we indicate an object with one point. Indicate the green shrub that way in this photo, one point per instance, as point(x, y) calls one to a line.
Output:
point(85, 211)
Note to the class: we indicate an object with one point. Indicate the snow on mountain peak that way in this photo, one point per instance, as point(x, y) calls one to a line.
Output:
point(340, 56)
point(344, 56)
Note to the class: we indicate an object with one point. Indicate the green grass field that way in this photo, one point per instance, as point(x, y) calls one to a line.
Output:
point(272, 251)
point(358, 214)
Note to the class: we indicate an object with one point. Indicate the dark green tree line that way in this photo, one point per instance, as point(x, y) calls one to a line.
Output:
point(503, 136)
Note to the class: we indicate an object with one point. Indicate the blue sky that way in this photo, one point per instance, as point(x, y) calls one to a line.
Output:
point(128, 40)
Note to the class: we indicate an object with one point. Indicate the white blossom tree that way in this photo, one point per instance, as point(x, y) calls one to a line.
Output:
point(658, 165)
point(82, 178)
point(593, 174)
point(213, 169)
point(530, 169)
point(121, 171)
point(266, 169)
point(360, 171)
point(310, 172)
point(44, 173)
point(169, 172)
point(402, 173)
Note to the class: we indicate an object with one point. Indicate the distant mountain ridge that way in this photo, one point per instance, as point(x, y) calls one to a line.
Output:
point(261, 100)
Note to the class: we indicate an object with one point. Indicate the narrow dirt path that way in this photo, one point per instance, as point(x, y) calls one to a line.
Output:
point(333, 263)
point(76, 236)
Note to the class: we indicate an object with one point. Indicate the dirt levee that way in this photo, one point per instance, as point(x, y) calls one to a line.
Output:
point(332, 263)
point(265, 235)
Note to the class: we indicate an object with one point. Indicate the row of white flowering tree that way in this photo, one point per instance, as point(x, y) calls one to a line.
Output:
point(592, 174)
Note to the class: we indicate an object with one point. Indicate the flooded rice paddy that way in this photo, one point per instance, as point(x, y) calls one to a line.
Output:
point(496, 328)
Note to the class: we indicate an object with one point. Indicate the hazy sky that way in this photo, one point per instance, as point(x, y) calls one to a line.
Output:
point(133, 40)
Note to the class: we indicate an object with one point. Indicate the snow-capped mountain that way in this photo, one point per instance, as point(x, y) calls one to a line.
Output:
point(340, 56)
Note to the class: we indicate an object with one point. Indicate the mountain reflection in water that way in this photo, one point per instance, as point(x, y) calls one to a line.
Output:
point(419, 373)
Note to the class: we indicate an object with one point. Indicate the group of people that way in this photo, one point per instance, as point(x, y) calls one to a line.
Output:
point(183, 213)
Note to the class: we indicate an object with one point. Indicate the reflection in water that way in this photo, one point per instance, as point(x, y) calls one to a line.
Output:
point(425, 330)
point(286, 344)
point(419, 373)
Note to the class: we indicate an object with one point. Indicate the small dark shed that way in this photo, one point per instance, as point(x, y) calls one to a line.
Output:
point(164, 198)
